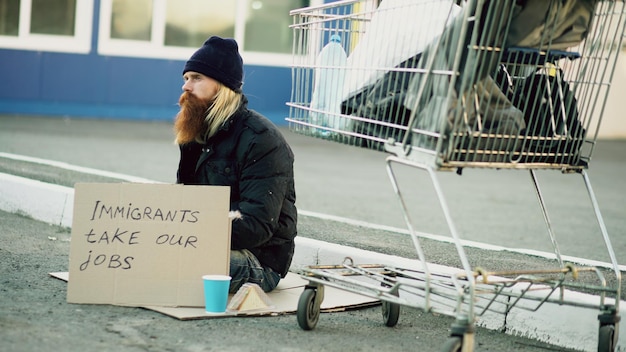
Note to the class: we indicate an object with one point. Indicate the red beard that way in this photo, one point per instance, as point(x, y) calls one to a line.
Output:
point(189, 123)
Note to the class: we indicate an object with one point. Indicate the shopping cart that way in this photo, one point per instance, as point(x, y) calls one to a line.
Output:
point(444, 85)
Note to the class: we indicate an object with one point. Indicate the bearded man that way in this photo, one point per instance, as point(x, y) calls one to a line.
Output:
point(224, 143)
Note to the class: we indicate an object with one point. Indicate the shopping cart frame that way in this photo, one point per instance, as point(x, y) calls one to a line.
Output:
point(473, 291)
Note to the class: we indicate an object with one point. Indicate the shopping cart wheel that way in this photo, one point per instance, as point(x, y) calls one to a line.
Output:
point(608, 334)
point(606, 338)
point(453, 344)
point(308, 309)
point(390, 310)
point(391, 313)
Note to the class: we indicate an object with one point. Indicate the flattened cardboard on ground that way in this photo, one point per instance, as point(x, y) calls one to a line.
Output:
point(284, 298)
point(147, 244)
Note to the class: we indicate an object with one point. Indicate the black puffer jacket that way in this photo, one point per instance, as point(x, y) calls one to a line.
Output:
point(250, 155)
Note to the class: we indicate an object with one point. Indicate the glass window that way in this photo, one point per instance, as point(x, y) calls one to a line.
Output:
point(189, 23)
point(46, 25)
point(172, 29)
point(131, 19)
point(53, 17)
point(9, 17)
point(267, 25)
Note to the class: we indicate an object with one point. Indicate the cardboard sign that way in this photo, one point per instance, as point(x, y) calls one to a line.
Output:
point(147, 244)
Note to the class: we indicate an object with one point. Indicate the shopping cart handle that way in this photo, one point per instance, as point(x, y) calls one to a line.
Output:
point(534, 56)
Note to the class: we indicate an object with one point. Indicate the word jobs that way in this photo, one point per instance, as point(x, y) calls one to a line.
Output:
point(130, 238)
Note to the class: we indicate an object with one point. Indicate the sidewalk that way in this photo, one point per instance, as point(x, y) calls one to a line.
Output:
point(53, 204)
point(350, 184)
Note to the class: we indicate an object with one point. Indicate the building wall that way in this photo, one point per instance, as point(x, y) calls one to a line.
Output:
point(39, 78)
point(91, 85)
point(614, 118)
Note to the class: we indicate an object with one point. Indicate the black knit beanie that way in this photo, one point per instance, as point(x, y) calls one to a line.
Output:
point(219, 59)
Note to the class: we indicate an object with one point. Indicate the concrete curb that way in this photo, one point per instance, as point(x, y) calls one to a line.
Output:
point(42, 201)
point(563, 325)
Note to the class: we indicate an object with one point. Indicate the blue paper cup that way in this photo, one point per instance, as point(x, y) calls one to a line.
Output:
point(216, 292)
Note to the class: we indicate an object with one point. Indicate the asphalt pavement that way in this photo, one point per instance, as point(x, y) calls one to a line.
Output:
point(345, 197)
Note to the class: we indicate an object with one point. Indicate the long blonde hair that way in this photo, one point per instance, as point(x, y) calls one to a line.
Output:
point(225, 104)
